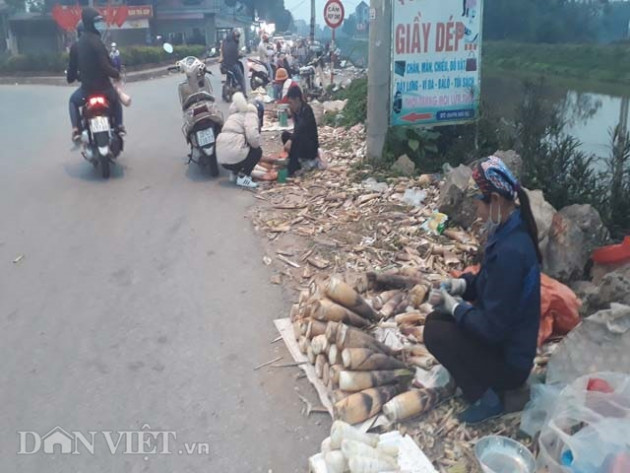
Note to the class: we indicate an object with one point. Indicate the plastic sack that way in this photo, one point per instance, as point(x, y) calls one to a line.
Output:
point(543, 398)
point(590, 424)
point(559, 307)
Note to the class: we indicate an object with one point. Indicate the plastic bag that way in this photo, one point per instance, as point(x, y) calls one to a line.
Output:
point(543, 398)
point(414, 197)
point(589, 425)
point(560, 309)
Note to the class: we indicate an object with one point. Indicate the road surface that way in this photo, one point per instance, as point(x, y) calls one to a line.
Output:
point(141, 301)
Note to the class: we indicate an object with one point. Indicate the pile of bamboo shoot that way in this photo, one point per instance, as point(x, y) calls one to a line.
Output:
point(332, 323)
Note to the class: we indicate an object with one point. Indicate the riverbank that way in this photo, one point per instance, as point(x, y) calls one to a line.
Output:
point(589, 66)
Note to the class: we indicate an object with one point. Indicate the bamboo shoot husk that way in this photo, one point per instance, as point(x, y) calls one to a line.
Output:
point(325, 373)
point(319, 344)
point(341, 431)
point(310, 355)
point(339, 395)
point(320, 360)
point(304, 326)
point(379, 301)
point(303, 343)
point(348, 337)
point(327, 310)
point(361, 359)
point(295, 313)
point(381, 282)
point(331, 331)
point(315, 328)
point(413, 403)
point(410, 318)
point(304, 296)
point(359, 380)
point(341, 293)
point(388, 309)
point(334, 355)
point(365, 404)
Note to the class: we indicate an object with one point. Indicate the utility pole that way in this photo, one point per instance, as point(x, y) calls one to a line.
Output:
point(312, 21)
point(379, 77)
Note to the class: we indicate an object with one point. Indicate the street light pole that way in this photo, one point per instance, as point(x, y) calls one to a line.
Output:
point(312, 35)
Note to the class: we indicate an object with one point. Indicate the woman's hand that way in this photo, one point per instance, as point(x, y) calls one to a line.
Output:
point(287, 146)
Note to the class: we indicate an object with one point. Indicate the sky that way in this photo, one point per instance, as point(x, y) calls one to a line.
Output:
point(301, 9)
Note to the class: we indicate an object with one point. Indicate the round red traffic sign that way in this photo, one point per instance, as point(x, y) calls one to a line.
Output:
point(334, 13)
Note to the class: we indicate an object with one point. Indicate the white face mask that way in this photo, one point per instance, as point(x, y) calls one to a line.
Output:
point(491, 226)
point(100, 26)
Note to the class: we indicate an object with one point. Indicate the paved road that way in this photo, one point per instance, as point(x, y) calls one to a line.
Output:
point(140, 300)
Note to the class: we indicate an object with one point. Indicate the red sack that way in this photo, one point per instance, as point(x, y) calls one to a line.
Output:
point(559, 306)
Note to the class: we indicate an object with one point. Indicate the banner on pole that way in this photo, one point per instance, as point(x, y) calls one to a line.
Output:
point(436, 62)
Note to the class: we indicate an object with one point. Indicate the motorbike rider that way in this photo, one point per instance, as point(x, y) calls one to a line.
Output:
point(265, 53)
point(114, 55)
point(78, 96)
point(95, 67)
point(230, 54)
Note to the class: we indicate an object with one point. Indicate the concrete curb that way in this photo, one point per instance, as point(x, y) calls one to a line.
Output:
point(60, 80)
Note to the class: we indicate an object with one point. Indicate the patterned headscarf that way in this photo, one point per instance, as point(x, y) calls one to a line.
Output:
point(492, 175)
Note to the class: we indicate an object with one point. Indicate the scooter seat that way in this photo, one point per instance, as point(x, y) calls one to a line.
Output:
point(198, 97)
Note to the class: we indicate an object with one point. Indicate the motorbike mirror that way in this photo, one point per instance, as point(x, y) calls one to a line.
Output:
point(168, 47)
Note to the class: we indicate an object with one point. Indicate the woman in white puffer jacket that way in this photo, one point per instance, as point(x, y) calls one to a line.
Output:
point(238, 144)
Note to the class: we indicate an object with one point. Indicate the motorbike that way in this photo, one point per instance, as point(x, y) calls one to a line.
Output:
point(101, 143)
point(311, 79)
point(259, 74)
point(202, 119)
point(230, 84)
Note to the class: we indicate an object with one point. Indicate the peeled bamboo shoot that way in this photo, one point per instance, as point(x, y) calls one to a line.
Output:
point(424, 362)
point(334, 355)
point(417, 295)
point(410, 318)
point(413, 403)
point(388, 309)
point(331, 331)
point(310, 355)
point(341, 293)
point(336, 462)
point(319, 344)
point(379, 301)
point(364, 404)
point(327, 310)
point(303, 343)
point(415, 332)
point(342, 430)
point(352, 448)
point(334, 374)
point(320, 361)
point(325, 373)
point(359, 380)
point(361, 359)
point(368, 465)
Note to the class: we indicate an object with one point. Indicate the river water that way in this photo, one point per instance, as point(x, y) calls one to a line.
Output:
point(590, 114)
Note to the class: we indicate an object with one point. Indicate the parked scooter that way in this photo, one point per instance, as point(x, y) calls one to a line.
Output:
point(202, 120)
point(259, 74)
point(230, 84)
point(311, 79)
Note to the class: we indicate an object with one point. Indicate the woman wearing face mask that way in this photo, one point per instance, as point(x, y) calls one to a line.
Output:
point(484, 329)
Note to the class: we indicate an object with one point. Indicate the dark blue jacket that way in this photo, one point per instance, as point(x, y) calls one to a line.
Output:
point(506, 295)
